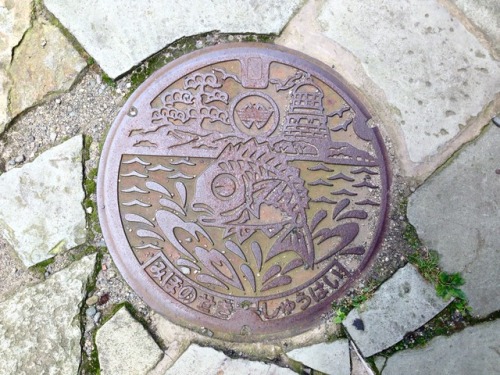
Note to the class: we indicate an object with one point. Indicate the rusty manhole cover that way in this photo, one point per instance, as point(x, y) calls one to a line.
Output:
point(241, 191)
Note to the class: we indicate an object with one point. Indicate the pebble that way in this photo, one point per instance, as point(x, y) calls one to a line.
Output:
point(53, 136)
point(89, 210)
point(185, 270)
point(91, 311)
point(58, 101)
point(496, 120)
point(199, 44)
point(104, 298)
point(19, 159)
point(97, 316)
point(111, 274)
point(92, 300)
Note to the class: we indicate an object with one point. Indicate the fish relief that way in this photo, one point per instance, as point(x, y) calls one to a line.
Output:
point(250, 191)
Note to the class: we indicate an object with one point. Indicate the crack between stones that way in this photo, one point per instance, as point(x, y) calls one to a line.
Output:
point(301, 6)
point(89, 288)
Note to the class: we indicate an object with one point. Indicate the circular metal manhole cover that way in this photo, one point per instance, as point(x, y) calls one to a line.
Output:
point(241, 190)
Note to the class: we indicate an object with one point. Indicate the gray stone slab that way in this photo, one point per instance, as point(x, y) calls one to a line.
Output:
point(119, 36)
point(329, 358)
point(41, 211)
point(433, 72)
point(208, 361)
point(44, 63)
point(402, 304)
point(380, 362)
point(475, 350)
point(457, 213)
point(485, 14)
point(15, 18)
point(125, 347)
point(359, 366)
point(39, 326)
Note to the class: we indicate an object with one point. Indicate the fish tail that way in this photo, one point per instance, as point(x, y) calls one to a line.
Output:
point(298, 239)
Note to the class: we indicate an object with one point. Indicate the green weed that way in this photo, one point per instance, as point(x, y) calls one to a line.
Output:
point(447, 285)
point(342, 309)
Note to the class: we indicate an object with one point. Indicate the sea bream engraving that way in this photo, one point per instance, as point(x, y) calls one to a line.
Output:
point(252, 188)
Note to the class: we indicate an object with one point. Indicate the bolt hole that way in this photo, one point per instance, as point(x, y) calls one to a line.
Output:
point(132, 112)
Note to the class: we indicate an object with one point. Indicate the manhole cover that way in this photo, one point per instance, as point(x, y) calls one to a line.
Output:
point(241, 191)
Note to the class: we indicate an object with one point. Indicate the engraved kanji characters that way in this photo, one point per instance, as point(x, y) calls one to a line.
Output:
point(206, 303)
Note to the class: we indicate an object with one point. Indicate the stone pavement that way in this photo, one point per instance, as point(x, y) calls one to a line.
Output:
point(429, 73)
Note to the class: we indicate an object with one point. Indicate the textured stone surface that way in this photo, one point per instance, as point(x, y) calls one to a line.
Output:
point(485, 14)
point(125, 347)
point(15, 16)
point(457, 213)
point(120, 36)
point(208, 361)
point(39, 326)
point(475, 350)
point(402, 304)
point(433, 72)
point(41, 212)
point(44, 63)
point(330, 358)
point(359, 366)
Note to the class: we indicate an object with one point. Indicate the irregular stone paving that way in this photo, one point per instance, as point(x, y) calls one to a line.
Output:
point(484, 14)
point(119, 37)
point(39, 325)
point(359, 366)
point(457, 213)
point(36, 60)
point(475, 350)
point(330, 358)
point(15, 17)
point(430, 71)
point(208, 361)
point(44, 63)
point(433, 72)
point(41, 213)
point(125, 347)
point(402, 304)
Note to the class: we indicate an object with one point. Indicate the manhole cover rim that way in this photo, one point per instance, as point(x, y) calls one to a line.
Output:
point(108, 203)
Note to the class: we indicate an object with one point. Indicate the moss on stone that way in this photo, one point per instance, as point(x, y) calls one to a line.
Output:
point(41, 268)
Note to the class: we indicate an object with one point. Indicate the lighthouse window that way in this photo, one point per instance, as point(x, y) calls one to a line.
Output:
point(307, 100)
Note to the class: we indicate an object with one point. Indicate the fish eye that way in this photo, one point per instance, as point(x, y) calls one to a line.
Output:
point(224, 186)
